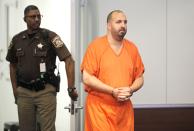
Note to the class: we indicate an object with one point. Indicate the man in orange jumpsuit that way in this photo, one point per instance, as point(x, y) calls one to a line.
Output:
point(112, 71)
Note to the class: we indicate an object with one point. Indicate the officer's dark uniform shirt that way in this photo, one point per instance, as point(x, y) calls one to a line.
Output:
point(29, 50)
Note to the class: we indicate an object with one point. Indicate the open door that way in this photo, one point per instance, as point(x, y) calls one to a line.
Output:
point(76, 107)
point(84, 28)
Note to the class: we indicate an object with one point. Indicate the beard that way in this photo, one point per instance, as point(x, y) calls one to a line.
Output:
point(121, 34)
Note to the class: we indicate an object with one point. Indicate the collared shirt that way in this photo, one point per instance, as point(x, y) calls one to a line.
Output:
point(29, 50)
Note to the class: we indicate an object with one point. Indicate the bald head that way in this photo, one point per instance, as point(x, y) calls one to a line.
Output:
point(109, 17)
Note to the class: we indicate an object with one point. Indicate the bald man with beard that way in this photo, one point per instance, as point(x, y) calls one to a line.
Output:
point(112, 71)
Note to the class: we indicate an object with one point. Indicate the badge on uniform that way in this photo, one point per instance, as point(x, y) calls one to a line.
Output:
point(40, 45)
point(57, 42)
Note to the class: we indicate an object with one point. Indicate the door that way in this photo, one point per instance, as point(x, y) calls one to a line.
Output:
point(77, 49)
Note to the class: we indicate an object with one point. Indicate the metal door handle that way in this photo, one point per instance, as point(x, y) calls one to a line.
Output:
point(73, 108)
point(78, 108)
point(68, 107)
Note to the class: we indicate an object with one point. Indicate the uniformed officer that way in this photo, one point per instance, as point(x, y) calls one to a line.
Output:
point(32, 56)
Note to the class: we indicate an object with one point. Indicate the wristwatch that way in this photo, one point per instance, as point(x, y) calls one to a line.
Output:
point(71, 89)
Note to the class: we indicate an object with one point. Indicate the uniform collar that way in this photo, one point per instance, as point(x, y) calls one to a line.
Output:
point(27, 33)
point(33, 31)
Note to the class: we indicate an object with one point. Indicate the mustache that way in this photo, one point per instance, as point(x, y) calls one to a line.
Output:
point(122, 29)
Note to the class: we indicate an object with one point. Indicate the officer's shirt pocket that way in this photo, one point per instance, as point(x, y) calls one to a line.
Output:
point(19, 52)
point(40, 50)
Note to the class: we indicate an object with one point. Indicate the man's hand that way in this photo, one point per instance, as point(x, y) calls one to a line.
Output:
point(73, 93)
point(122, 93)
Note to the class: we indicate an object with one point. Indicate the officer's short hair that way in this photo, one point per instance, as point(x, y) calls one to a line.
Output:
point(109, 17)
point(30, 7)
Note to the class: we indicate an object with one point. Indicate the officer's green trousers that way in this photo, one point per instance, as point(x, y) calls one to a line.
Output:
point(33, 105)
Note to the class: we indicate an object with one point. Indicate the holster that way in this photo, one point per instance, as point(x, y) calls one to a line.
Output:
point(53, 79)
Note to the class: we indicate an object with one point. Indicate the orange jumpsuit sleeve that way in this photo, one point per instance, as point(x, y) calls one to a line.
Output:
point(139, 67)
point(89, 62)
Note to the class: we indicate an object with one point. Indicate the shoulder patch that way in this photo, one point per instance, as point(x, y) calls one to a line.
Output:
point(57, 42)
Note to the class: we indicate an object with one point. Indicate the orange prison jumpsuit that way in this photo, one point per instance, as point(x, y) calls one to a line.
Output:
point(102, 111)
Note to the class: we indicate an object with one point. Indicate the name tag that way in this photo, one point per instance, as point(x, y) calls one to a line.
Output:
point(42, 67)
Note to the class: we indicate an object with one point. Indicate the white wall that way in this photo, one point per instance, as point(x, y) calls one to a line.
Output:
point(180, 53)
point(8, 108)
point(56, 17)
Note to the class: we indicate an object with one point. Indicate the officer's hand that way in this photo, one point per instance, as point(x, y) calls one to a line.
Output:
point(73, 94)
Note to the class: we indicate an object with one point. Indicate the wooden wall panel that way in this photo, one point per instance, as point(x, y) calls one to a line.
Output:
point(164, 119)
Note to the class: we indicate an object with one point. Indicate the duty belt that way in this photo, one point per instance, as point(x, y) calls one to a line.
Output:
point(35, 85)
point(39, 83)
